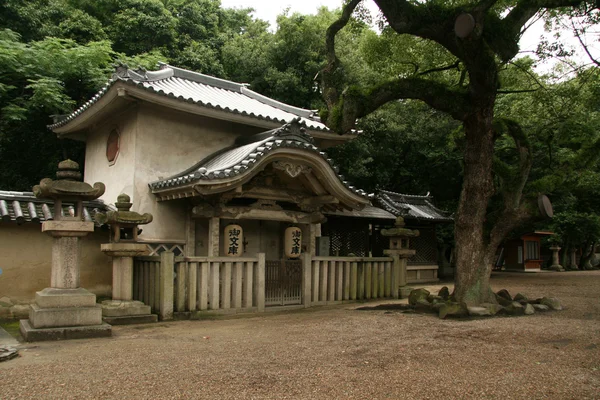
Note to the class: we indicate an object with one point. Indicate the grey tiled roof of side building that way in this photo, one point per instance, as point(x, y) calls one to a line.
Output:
point(21, 207)
point(411, 206)
point(206, 91)
point(242, 157)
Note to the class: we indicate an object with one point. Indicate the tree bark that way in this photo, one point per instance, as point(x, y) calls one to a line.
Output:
point(474, 259)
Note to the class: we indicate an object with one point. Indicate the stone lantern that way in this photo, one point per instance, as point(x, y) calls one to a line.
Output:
point(555, 259)
point(399, 250)
point(123, 246)
point(65, 310)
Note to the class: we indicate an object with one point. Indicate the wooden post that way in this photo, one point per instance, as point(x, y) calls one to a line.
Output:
point(306, 279)
point(248, 275)
point(226, 285)
point(388, 278)
point(323, 283)
point(375, 280)
point(361, 281)
point(381, 278)
point(353, 280)
point(395, 276)
point(167, 261)
point(331, 280)
point(181, 269)
point(236, 285)
point(346, 280)
point(203, 286)
point(259, 283)
point(192, 288)
point(156, 272)
point(316, 271)
point(339, 295)
point(213, 289)
point(368, 275)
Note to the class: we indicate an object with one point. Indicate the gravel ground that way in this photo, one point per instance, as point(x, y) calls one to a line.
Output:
point(335, 352)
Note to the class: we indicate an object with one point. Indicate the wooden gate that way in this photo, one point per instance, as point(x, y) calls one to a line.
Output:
point(283, 282)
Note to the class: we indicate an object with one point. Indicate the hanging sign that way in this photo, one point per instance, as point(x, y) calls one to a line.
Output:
point(293, 242)
point(234, 239)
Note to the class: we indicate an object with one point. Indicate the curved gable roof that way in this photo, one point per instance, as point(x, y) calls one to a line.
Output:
point(243, 158)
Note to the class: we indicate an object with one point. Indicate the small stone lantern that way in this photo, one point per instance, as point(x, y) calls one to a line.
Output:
point(123, 246)
point(65, 310)
point(399, 250)
point(555, 259)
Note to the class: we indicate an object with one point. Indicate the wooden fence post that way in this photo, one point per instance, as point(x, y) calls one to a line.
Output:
point(259, 283)
point(167, 263)
point(306, 278)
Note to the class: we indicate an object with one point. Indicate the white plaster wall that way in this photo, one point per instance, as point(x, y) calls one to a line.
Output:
point(168, 142)
point(118, 177)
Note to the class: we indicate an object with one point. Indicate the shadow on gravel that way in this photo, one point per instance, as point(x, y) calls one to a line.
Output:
point(389, 307)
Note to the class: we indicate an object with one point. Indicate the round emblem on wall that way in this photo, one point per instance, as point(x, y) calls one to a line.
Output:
point(112, 146)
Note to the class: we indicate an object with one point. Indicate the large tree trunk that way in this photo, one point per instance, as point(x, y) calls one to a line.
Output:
point(474, 258)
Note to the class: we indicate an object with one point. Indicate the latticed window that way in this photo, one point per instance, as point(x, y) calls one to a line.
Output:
point(157, 248)
point(426, 248)
point(347, 237)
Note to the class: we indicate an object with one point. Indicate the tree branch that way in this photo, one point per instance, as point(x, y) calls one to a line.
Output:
point(356, 103)
point(516, 91)
point(439, 69)
point(585, 48)
point(329, 72)
point(514, 21)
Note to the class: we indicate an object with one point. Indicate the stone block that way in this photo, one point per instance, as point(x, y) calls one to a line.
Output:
point(31, 334)
point(131, 319)
point(54, 297)
point(117, 308)
point(68, 228)
point(124, 249)
point(64, 316)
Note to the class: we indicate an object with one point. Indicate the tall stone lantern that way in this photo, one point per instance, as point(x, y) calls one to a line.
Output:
point(399, 250)
point(123, 246)
point(65, 310)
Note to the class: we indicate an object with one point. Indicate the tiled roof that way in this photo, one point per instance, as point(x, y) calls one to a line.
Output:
point(367, 212)
point(241, 157)
point(22, 207)
point(205, 91)
point(411, 206)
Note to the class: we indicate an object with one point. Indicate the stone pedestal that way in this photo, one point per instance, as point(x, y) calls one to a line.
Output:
point(555, 259)
point(65, 310)
point(122, 309)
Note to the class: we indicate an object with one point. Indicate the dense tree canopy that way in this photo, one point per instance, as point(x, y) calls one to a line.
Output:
point(413, 86)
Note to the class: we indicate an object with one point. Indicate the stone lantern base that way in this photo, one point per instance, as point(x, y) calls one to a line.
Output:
point(122, 309)
point(64, 314)
point(124, 312)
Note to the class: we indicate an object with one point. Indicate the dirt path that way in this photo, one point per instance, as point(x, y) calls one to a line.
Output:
point(336, 352)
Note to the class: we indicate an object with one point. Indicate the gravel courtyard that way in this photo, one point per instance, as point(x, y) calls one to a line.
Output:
point(335, 352)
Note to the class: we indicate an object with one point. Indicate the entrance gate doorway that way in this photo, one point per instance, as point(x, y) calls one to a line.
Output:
point(283, 282)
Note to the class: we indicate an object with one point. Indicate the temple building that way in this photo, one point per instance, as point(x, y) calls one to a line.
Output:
point(229, 174)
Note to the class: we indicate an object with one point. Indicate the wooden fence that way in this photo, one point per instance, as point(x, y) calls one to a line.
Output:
point(335, 279)
point(172, 284)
